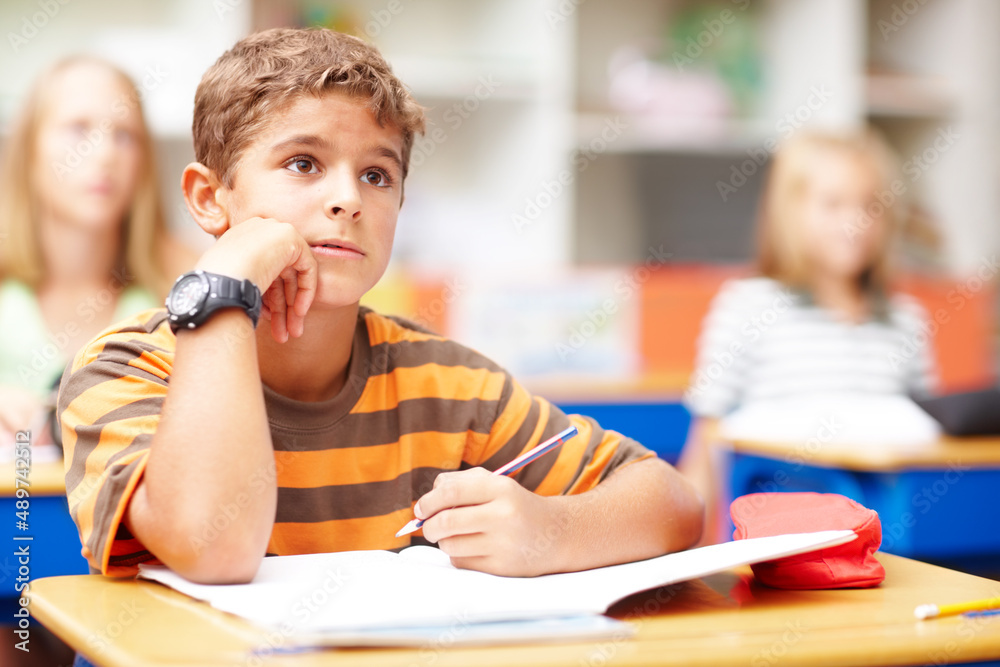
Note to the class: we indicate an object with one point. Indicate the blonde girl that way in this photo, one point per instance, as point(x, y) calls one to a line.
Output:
point(820, 317)
point(82, 235)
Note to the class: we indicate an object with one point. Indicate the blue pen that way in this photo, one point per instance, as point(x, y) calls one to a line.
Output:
point(510, 468)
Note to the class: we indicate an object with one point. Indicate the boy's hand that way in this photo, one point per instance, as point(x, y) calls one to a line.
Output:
point(491, 523)
point(275, 257)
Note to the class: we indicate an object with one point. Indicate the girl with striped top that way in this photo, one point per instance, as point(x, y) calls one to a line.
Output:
point(819, 319)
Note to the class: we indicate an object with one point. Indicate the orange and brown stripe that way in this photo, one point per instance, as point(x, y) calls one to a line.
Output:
point(348, 470)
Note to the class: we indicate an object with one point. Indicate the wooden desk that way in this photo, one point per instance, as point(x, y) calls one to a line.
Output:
point(46, 479)
point(725, 619)
point(979, 452)
point(667, 387)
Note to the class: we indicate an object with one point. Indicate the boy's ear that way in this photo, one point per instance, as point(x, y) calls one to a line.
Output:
point(205, 199)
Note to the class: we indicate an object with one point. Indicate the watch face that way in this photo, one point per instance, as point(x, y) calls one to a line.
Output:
point(187, 294)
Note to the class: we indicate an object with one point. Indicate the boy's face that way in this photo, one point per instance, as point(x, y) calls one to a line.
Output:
point(325, 166)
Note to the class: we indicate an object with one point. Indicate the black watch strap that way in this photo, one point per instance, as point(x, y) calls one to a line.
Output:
point(226, 292)
point(223, 292)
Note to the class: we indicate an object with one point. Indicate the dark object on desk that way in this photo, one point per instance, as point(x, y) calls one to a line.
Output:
point(850, 565)
point(966, 413)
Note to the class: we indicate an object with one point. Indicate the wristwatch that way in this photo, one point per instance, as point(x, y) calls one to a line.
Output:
point(198, 294)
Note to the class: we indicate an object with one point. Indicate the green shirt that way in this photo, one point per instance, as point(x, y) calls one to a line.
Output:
point(33, 357)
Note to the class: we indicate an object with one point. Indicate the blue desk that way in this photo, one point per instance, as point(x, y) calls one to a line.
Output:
point(661, 425)
point(55, 545)
point(937, 505)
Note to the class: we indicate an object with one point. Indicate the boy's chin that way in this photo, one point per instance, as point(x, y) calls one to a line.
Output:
point(321, 306)
point(337, 294)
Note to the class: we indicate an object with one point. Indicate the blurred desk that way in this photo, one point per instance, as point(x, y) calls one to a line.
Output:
point(979, 452)
point(936, 502)
point(646, 387)
point(647, 409)
point(725, 619)
point(55, 545)
point(45, 479)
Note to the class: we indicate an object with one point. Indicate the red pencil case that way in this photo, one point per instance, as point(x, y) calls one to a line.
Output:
point(850, 565)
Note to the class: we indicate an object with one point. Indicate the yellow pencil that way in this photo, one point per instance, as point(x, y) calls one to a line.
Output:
point(926, 611)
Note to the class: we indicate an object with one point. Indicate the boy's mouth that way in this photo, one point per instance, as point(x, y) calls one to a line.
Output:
point(337, 248)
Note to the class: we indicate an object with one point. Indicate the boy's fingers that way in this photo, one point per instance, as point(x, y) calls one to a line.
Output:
point(276, 302)
point(456, 521)
point(305, 283)
point(278, 331)
point(480, 563)
point(458, 489)
point(293, 323)
point(289, 284)
point(449, 477)
point(465, 546)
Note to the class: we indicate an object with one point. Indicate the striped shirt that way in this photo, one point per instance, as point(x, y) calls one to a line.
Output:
point(762, 341)
point(349, 469)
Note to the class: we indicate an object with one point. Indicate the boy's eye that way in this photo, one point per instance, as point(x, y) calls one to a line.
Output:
point(376, 177)
point(302, 165)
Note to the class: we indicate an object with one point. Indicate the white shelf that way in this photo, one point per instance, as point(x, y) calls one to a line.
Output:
point(933, 76)
point(481, 79)
point(493, 161)
point(652, 134)
point(906, 96)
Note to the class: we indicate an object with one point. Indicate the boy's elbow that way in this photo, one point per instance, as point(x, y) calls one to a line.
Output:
point(177, 542)
point(211, 564)
point(693, 521)
point(687, 514)
point(218, 569)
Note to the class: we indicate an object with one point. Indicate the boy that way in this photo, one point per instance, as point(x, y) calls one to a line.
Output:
point(215, 445)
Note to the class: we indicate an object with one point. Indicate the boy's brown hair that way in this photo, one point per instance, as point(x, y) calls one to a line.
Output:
point(266, 70)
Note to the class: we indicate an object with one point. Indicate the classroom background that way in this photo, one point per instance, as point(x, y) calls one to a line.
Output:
point(592, 168)
point(591, 175)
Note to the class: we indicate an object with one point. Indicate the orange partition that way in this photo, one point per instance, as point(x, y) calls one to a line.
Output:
point(960, 317)
point(676, 299)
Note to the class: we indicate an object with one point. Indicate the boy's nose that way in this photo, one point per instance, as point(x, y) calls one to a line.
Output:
point(343, 196)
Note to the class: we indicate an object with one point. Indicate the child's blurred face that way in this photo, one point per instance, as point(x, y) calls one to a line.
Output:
point(843, 237)
point(88, 148)
point(325, 166)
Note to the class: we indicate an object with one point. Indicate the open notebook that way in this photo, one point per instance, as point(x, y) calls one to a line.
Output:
point(358, 598)
point(835, 420)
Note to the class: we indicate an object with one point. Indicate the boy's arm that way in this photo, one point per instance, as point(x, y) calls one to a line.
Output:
point(213, 445)
point(491, 523)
